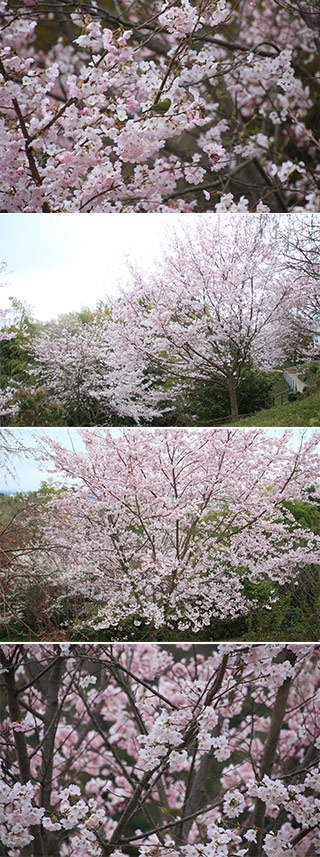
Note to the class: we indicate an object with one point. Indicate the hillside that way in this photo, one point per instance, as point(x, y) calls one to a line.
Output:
point(304, 411)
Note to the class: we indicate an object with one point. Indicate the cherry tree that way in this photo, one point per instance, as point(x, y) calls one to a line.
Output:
point(167, 527)
point(79, 365)
point(303, 254)
point(219, 295)
point(121, 106)
point(195, 752)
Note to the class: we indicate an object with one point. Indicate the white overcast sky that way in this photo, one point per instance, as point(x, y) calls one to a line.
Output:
point(59, 263)
point(30, 473)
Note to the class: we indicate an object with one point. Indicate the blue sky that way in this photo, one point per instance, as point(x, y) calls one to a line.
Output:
point(29, 473)
point(60, 263)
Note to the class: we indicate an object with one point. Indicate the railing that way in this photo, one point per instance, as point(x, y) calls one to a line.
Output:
point(283, 396)
point(293, 380)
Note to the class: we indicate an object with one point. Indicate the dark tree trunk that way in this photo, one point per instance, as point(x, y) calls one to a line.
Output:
point(233, 399)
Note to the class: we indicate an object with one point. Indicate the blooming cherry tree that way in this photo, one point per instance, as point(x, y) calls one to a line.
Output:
point(80, 365)
point(196, 752)
point(221, 294)
point(166, 527)
point(119, 107)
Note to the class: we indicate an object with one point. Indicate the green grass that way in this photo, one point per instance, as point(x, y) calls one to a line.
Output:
point(304, 412)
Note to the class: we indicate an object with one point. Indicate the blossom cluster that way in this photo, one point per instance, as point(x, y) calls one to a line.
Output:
point(18, 815)
point(78, 780)
point(128, 112)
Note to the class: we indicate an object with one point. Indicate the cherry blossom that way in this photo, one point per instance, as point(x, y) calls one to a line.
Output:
point(79, 366)
point(77, 782)
point(110, 110)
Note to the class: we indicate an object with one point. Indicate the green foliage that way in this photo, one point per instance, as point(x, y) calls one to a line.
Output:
point(254, 390)
point(208, 401)
point(294, 395)
point(294, 616)
point(15, 358)
point(36, 408)
point(306, 514)
point(48, 490)
point(312, 376)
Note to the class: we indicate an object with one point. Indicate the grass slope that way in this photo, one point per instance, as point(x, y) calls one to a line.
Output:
point(303, 412)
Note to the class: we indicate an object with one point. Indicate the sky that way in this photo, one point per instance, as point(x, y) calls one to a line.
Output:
point(59, 263)
point(30, 474)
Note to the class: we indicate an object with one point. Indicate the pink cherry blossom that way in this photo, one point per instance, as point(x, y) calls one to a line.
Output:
point(107, 110)
point(97, 773)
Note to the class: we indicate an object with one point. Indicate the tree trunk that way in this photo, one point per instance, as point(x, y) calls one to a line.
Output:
point(233, 399)
point(279, 710)
point(51, 720)
point(20, 745)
